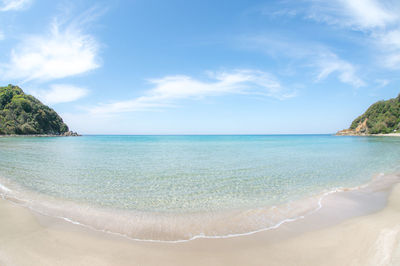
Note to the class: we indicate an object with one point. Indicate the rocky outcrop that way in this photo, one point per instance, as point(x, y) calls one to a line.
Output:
point(350, 132)
point(360, 130)
point(70, 134)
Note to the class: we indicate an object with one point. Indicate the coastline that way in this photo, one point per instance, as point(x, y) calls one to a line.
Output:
point(367, 135)
point(369, 239)
point(66, 134)
point(347, 132)
point(346, 202)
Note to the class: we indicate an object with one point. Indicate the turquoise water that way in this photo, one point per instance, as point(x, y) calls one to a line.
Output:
point(170, 175)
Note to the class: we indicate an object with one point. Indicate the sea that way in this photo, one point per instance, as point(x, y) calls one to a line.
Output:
point(179, 188)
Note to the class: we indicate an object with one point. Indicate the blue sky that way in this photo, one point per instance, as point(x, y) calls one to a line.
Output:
point(203, 67)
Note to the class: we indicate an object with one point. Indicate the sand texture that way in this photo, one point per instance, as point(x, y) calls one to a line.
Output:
point(29, 239)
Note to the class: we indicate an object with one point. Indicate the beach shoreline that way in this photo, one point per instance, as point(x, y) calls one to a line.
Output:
point(366, 237)
point(289, 201)
point(345, 202)
point(353, 134)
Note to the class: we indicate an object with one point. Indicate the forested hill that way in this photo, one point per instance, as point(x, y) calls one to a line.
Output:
point(23, 114)
point(380, 118)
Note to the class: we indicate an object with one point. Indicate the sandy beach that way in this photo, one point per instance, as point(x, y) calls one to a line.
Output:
point(27, 238)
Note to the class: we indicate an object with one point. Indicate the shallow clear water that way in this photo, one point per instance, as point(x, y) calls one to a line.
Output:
point(192, 174)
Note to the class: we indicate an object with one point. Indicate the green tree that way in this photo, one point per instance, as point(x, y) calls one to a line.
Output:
point(21, 113)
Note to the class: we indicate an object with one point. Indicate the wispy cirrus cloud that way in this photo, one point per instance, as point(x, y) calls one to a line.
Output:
point(382, 82)
point(389, 43)
point(168, 90)
point(65, 50)
point(355, 14)
point(307, 54)
point(329, 64)
point(14, 5)
point(378, 20)
point(60, 93)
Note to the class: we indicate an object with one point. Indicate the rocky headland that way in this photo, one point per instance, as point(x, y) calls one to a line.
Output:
point(24, 115)
point(381, 118)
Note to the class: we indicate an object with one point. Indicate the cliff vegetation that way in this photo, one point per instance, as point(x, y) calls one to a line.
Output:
point(23, 114)
point(382, 117)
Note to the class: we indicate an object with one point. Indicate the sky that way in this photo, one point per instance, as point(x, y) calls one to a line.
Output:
point(203, 67)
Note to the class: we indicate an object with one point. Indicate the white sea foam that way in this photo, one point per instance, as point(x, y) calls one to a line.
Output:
point(4, 189)
point(176, 228)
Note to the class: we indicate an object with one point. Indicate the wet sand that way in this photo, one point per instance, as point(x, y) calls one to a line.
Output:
point(333, 236)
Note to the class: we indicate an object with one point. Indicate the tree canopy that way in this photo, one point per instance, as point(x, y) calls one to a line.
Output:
point(22, 114)
point(382, 117)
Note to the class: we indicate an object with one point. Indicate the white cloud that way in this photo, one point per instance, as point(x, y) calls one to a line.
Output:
point(2, 37)
point(357, 14)
point(170, 89)
point(389, 43)
point(392, 61)
point(307, 54)
point(378, 20)
point(369, 13)
point(60, 93)
point(9, 5)
point(391, 39)
point(330, 64)
point(382, 82)
point(65, 51)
